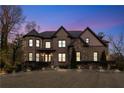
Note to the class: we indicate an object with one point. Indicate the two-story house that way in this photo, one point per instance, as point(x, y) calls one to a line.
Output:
point(55, 46)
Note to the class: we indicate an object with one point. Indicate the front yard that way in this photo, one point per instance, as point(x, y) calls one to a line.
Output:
point(63, 79)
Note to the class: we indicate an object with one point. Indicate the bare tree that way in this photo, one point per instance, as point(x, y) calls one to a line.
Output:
point(117, 44)
point(31, 25)
point(17, 48)
point(10, 18)
point(101, 35)
point(117, 49)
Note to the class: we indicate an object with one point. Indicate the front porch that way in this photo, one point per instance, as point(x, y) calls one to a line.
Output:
point(46, 55)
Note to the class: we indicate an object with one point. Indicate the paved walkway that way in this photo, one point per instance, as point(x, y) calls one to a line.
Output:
point(63, 79)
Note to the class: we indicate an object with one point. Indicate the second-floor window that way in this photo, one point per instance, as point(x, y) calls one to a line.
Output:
point(87, 40)
point(47, 44)
point(30, 42)
point(61, 43)
point(37, 43)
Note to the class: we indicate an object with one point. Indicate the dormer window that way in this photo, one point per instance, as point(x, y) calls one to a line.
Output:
point(30, 42)
point(37, 43)
point(87, 40)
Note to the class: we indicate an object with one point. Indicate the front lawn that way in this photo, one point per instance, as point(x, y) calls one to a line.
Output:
point(63, 79)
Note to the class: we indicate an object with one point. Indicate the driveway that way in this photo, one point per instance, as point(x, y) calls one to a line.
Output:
point(63, 79)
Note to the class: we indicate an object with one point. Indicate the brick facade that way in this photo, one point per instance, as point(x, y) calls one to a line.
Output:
point(72, 38)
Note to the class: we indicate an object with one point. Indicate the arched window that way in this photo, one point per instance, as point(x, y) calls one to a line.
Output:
point(30, 42)
point(37, 43)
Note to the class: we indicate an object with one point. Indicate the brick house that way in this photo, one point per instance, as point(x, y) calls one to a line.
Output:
point(55, 47)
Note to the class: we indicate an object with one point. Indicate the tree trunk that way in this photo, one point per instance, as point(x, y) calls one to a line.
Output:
point(4, 48)
point(4, 40)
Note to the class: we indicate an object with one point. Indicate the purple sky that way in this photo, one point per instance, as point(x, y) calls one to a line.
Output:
point(108, 19)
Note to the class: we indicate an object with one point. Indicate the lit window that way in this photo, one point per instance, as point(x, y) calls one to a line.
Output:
point(30, 42)
point(37, 57)
point(95, 56)
point(48, 57)
point(87, 40)
point(77, 56)
point(62, 43)
point(48, 45)
point(37, 43)
point(30, 55)
point(61, 57)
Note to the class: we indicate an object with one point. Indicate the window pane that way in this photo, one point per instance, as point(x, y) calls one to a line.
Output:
point(30, 42)
point(37, 57)
point(95, 56)
point(59, 57)
point(64, 43)
point(87, 40)
point(77, 56)
point(61, 43)
point(48, 44)
point(46, 58)
point(50, 57)
point(63, 57)
point(30, 56)
point(37, 43)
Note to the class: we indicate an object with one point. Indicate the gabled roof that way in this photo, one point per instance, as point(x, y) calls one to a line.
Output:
point(50, 34)
point(60, 29)
point(75, 34)
point(94, 35)
point(72, 34)
point(32, 33)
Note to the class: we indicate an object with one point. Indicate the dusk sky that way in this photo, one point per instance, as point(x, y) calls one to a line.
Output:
point(108, 19)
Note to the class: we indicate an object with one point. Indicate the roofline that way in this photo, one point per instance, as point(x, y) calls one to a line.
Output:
point(93, 34)
point(61, 27)
point(32, 35)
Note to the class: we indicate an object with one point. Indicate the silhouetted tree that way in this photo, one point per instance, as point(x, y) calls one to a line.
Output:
point(117, 49)
point(17, 49)
point(32, 25)
point(103, 56)
point(10, 19)
point(101, 35)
